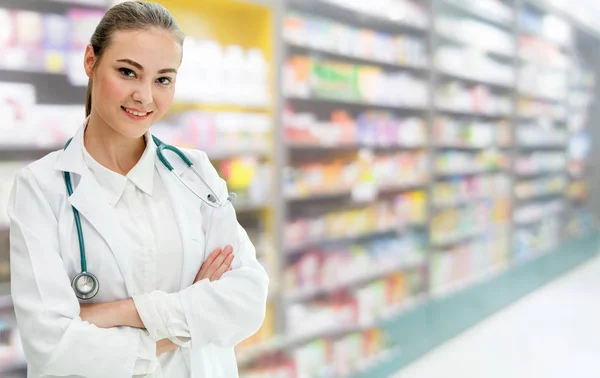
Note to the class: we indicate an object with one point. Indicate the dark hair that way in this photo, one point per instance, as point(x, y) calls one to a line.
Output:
point(129, 15)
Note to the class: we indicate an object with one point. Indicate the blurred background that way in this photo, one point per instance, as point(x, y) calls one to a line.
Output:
point(405, 168)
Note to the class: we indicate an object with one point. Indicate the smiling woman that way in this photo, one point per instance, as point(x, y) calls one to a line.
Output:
point(180, 283)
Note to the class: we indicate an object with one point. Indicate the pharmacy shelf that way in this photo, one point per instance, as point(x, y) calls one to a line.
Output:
point(304, 295)
point(537, 218)
point(309, 148)
point(474, 80)
point(540, 196)
point(523, 175)
point(360, 104)
point(349, 239)
point(349, 192)
point(53, 6)
point(459, 238)
point(465, 112)
point(5, 298)
point(351, 17)
point(542, 147)
point(235, 153)
point(480, 15)
point(474, 172)
point(441, 206)
point(294, 48)
point(248, 206)
point(467, 43)
point(464, 283)
point(540, 97)
point(463, 147)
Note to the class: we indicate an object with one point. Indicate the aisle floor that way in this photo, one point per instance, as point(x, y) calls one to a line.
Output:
point(552, 333)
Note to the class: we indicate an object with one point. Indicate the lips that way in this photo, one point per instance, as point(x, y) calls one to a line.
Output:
point(136, 113)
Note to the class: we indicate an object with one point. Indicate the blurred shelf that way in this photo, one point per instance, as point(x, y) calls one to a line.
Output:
point(303, 295)
point(465, 112)
point(537, 218)
point(540, 97)
point(444, 146)
point(224, 154)
point(348, 192)
point(181, 106)
point(469, 281)
point(538, 34)
point(246, 355)
point(309, 244)
point(544, 64)
point(536, 117)
point(5, 298)
point(462, 202)
point(13, 366)
point(540, 173)
point(475, 172)
point(470, 45)
point(338, 331)
point(540, 196)
point(458, 238)
point(305, 147)
point(341, 102)
point(474, 80)
point(249, 206)
point(314, 51)
point(480, 15)
point(52, 6)
point(356, 18)
point(542, 147)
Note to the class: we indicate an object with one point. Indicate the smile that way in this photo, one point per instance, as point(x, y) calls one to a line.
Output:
point(136, 114)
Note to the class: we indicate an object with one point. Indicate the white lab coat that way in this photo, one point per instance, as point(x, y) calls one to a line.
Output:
point(45, 257)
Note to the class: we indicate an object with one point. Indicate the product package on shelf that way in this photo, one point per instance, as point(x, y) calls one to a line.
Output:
point(537, 238)
point(495, 10)
point(369, 129)
point(226, 75)
point(540, 163)
point(455, 96)
point(532, 108)
point(27, 124)
point(333, 269)
point(527, 189)
point(543, 83)
point(404, 210)
point(541, 134)
point(470, 189)
point(450, 163)
point(305, 77)
point(453, 132)
point(217, 133)
point(386, 171)
point(324, 34)
point(537, 211)
point(452, 225)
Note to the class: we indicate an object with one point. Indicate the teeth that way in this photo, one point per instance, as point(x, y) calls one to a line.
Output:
point(135, 113)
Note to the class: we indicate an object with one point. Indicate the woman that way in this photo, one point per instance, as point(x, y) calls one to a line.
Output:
point(179, 283)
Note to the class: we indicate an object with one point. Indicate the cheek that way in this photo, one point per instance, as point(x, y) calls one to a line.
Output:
point(112, 88)
point(163, 99)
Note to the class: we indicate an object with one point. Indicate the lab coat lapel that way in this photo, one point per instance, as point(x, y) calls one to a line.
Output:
point(87, 199)
point(187, 210)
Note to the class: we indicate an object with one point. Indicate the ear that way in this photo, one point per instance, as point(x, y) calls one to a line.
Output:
point(89, 60)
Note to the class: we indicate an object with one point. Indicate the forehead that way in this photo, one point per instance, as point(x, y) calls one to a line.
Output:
point(154, 49)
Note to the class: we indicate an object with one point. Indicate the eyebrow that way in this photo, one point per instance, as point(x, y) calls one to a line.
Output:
point(139, 66)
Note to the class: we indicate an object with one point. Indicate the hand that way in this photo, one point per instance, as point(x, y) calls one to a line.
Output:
point(164, 346)
point(216, 264)
point(98, 314)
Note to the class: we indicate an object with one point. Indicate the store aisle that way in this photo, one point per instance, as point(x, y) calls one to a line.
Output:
point(552, 333)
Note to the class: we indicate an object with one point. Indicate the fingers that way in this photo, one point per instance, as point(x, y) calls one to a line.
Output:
point(206, 264)
point(226, 266)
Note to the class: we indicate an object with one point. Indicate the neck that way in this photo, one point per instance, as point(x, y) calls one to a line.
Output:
point(111, 149)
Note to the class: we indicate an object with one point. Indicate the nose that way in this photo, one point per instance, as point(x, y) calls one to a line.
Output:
point(143, 94)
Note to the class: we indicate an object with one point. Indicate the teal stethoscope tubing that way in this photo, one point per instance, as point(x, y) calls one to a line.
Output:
point(85, 284)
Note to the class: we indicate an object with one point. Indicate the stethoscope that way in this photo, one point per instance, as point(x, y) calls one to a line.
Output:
point(85, 284)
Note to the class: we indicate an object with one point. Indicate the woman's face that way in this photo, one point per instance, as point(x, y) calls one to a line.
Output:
point(134, 81)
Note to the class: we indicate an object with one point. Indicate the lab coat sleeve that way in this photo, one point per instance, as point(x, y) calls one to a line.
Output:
point(55, 340)
point(222, 312)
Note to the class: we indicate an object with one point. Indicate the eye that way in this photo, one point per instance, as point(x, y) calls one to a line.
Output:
point(164, 81)
point(127, 72)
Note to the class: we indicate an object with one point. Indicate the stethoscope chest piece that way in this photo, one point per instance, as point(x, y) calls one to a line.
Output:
point(85, 285)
